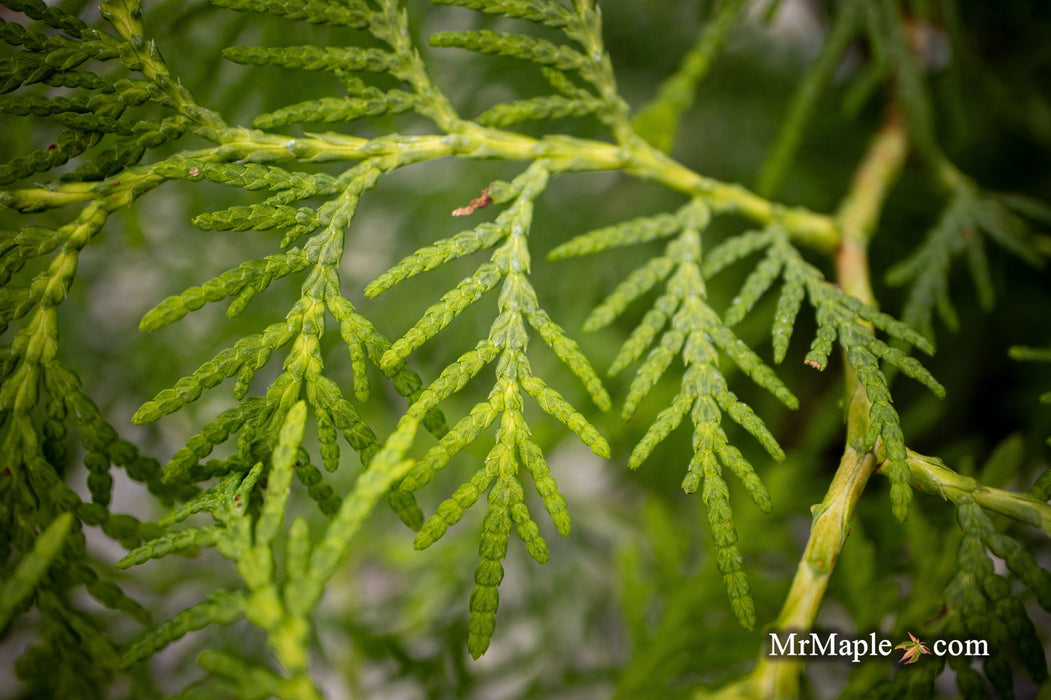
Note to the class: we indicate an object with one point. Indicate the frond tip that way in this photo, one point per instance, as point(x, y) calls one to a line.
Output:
point(514, 449)
point(970, 218)
point(681, 324)
point(842, 318)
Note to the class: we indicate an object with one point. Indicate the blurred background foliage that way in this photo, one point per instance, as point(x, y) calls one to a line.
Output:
point(631, 604)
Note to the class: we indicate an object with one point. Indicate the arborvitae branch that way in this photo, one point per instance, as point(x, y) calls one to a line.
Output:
point(517, 305)
point(39, 398)
point(348, 14)
point(959, 232)
point(982, 605)
point(842, 30)
point(658, 121)
point(931, 475)
point(220, 607)
point(694, 331)
point(104, 130)
point(858, 215)
point(540, 11)
point(33, 566)
point(840, 316)
point(516, 46)
point(247, 538)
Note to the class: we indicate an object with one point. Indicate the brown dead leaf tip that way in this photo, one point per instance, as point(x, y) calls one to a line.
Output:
point(815, 365)
point(480, 202)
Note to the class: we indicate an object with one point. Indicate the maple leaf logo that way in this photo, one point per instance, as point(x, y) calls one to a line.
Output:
point(913, 650)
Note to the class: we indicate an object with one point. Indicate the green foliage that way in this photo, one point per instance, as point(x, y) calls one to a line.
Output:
point(1026, 354)
point(982, 606)
point(697, 332)
point(506, 344)
point(563, 65)
point(33, 566)
point(959, 232)
point(840, 34)
point(976, 601)
point(657, 122)
point(257, 482)
point(839, 317)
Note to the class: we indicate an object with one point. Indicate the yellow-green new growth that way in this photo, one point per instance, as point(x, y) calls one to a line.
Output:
point(507, 343)
point(689, 328)
point(839, 317)
point(246, 536)
point(104, 120)
point(302, 331)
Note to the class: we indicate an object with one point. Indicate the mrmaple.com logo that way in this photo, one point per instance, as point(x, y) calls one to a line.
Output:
point(835, 645)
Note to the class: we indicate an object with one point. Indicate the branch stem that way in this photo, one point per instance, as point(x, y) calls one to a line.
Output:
point(818, 231)
point(931, 475)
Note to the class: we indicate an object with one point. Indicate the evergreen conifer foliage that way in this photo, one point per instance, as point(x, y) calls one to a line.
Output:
point(262, 478)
